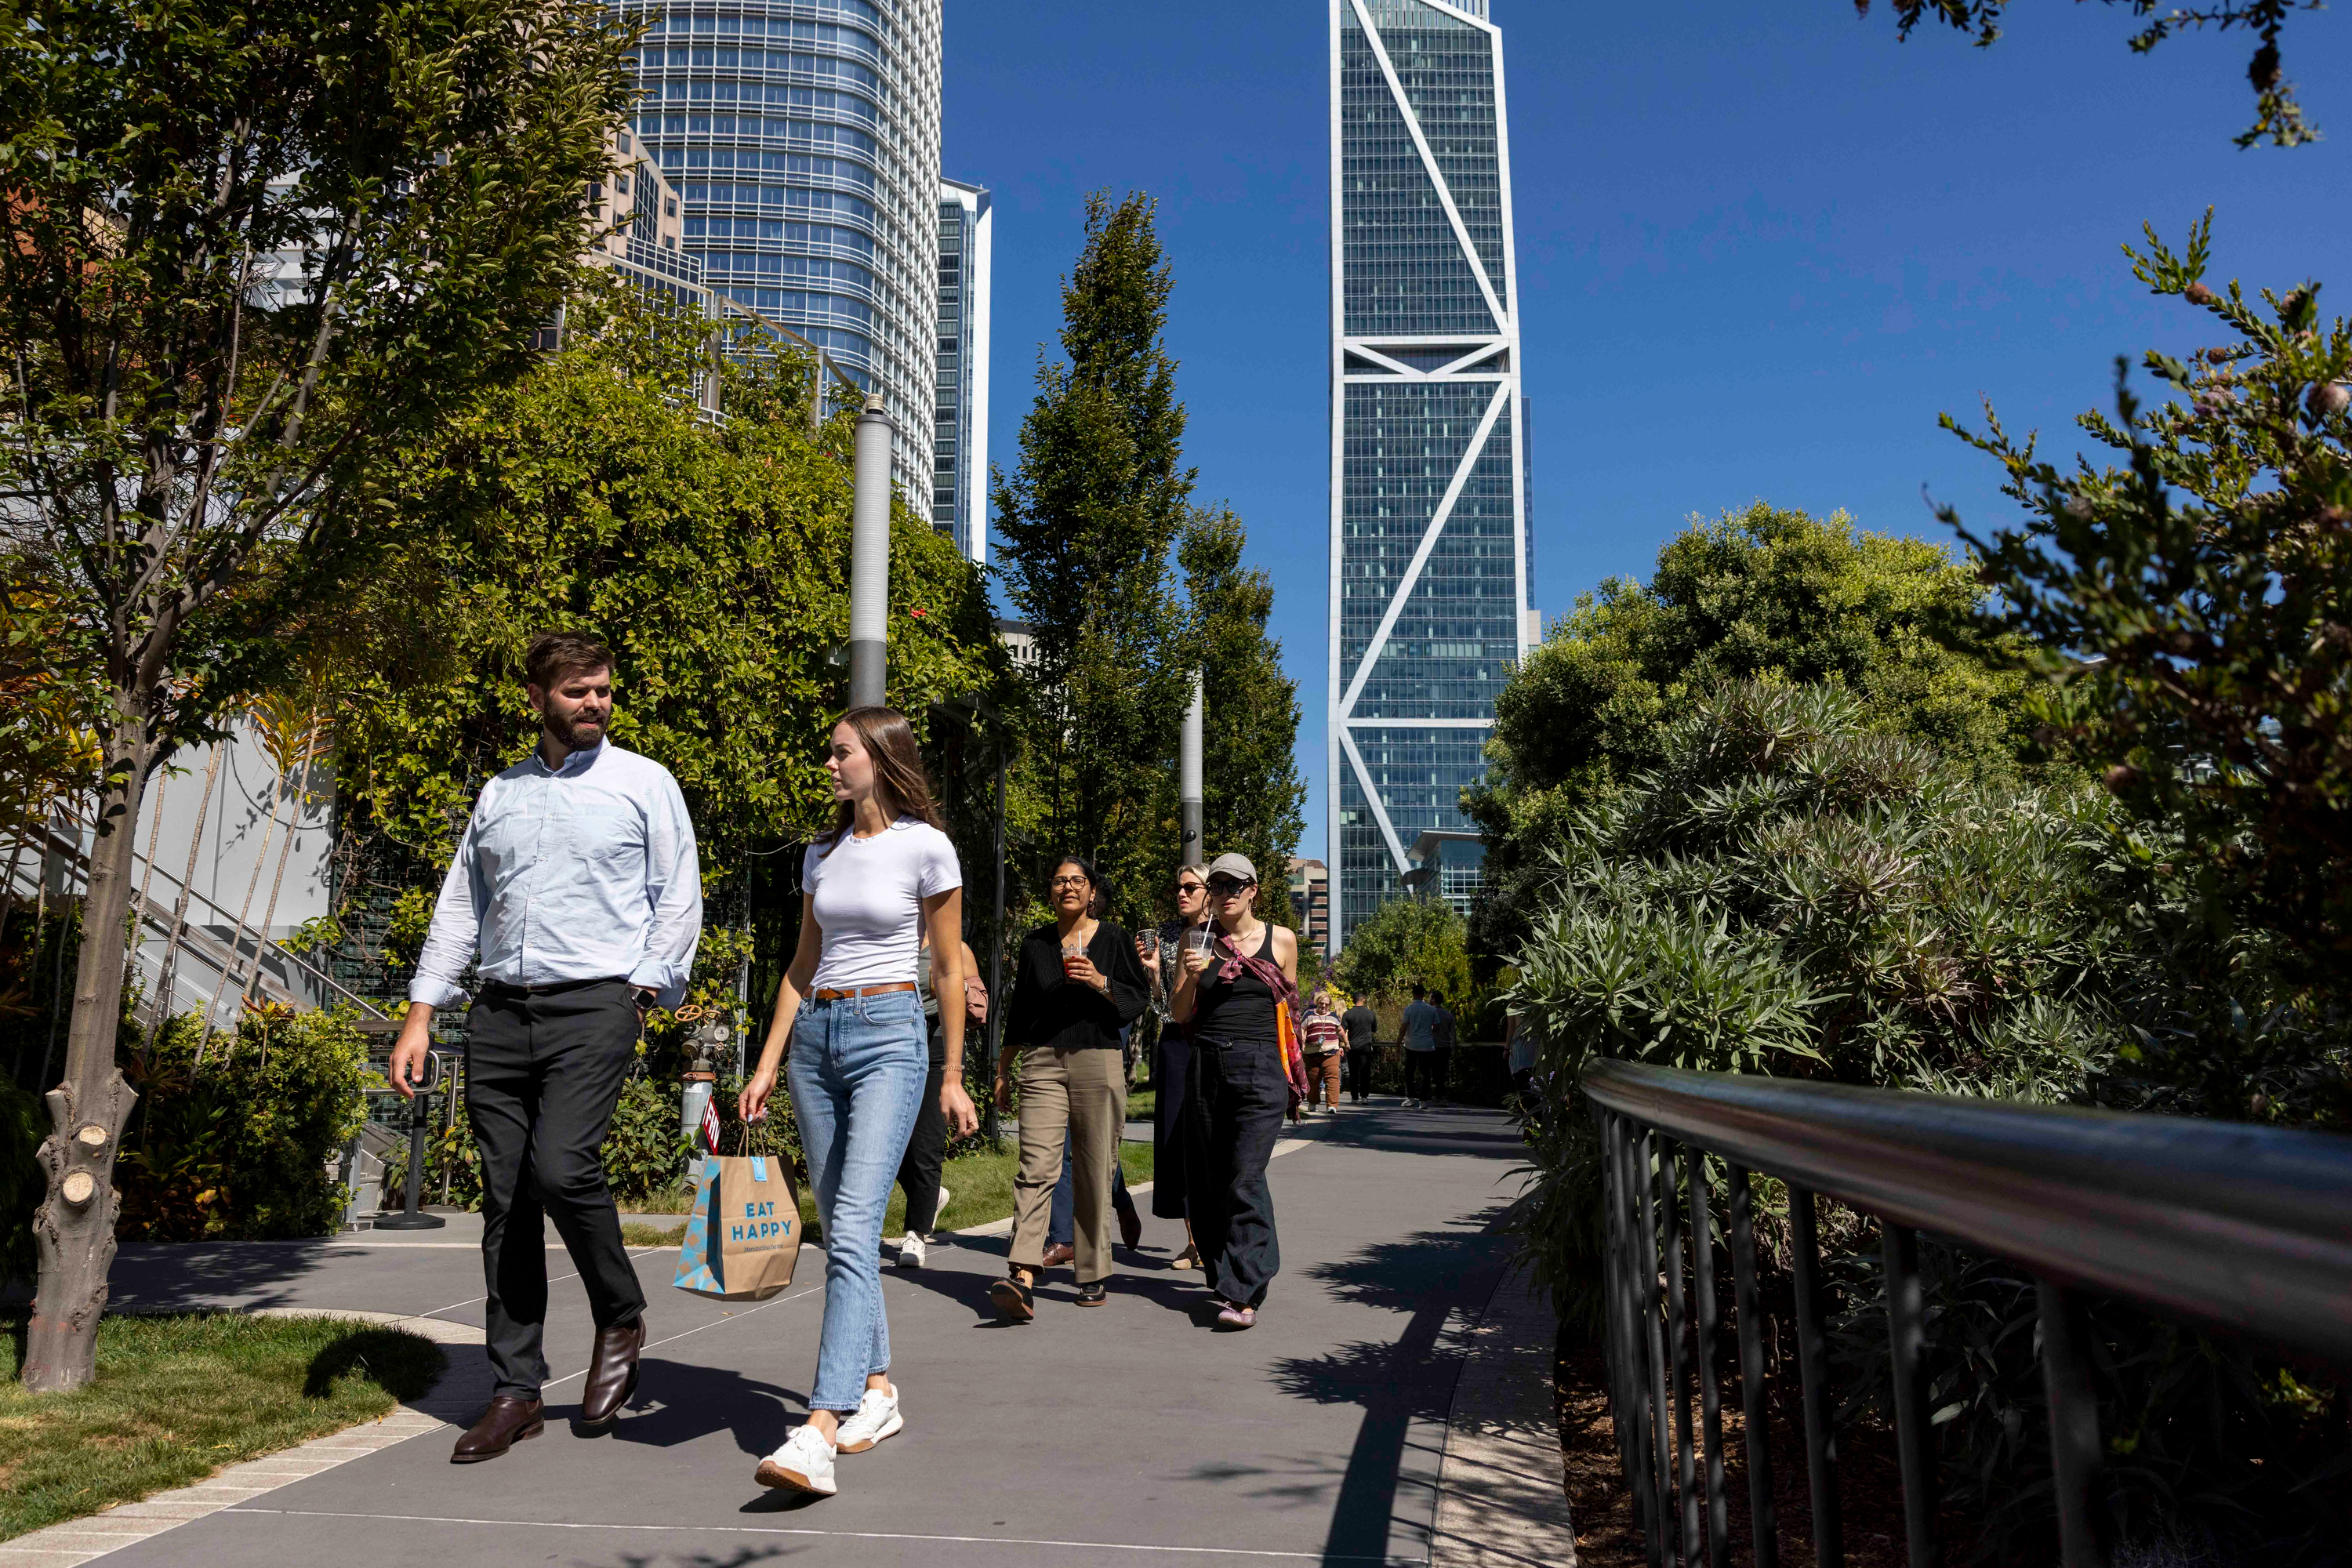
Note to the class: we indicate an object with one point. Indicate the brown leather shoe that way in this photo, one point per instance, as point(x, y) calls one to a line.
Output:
point(506, 1422)
point(1059, 1254)
point(612, 1375)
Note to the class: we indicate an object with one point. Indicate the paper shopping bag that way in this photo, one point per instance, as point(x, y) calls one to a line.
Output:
point(745, 1235)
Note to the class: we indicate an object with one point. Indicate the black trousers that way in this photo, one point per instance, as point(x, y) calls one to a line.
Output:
point(1171, 1083)
point(927, 1147)
point(1425, 1074)
point(1238, 1101)
point(544, 1073)
point(1360, 1071)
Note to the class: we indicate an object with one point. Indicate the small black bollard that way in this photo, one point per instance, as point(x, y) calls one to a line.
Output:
point(411, 1217)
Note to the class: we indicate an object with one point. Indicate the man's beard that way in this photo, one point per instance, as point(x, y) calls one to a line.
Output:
point(575, 734)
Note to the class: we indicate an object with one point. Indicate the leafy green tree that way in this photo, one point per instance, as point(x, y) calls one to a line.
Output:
point(1252, 797)
point(1757, 593)
point(2187, 610)
point(1408, 942)
point(711, 558)
point(245, 251)
point(1087, 525)
point(2278, 118)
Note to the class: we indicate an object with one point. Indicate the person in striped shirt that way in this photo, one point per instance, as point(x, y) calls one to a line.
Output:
point(1323, 1043)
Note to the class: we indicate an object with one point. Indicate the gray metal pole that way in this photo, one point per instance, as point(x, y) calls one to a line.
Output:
point(996, 960)
point(1189, 778)
point(869, 558)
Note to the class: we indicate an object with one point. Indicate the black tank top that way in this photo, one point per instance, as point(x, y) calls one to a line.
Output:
point(1236, 1012)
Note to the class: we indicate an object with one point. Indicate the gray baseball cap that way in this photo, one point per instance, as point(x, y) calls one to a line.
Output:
point(1233, 865)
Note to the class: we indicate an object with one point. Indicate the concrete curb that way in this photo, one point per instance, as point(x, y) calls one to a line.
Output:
point(1502, 1494)
point(462, 1386)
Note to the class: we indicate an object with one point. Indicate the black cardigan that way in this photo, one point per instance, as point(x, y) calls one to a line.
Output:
point(1048, 1010)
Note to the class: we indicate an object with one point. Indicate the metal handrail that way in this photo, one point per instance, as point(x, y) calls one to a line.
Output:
point(158, 914)
point(2245, 1228)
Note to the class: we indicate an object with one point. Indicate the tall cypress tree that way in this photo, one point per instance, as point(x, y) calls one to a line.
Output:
point(1086, 527)
point(1252, 794)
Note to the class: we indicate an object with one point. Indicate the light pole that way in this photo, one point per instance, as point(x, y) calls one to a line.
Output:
point(869, 558)
point(1189, 777)
point(869, 517)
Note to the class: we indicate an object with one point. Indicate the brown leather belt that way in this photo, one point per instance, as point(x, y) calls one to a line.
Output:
point(824, 994)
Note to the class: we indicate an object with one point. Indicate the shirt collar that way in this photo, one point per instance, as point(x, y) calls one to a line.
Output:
point(577, 763)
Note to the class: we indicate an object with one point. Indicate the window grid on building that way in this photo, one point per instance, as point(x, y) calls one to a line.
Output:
point(804, 138)
point(1430, 546)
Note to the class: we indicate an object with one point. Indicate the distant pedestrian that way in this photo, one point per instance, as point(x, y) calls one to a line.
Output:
point(1363, 1027)
point(576, 883)
point(926, 1157)
point(1171, 1064)
point(1076, 985)
point(1230, 993)
point(1444, 1070)
point(1323, 1043)
point(848, 1015)
point(1420, 1032)
point(1520, 1061)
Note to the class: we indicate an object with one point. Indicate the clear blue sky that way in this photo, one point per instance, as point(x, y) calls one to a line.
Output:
point(1760, 246)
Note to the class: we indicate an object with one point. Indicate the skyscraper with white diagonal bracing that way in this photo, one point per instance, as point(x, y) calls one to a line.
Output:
point(1431, 552)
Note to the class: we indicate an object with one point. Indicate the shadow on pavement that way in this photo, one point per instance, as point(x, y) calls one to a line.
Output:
point(1411, 1378)
point(192, 1276)
point(677, 1402)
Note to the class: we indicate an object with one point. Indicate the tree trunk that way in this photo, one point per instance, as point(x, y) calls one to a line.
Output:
point(74, 1227)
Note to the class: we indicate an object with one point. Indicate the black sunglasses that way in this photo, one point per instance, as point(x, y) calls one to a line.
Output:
point(1225, 886)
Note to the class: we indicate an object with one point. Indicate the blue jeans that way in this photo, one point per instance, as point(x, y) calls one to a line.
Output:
point(857, 1073)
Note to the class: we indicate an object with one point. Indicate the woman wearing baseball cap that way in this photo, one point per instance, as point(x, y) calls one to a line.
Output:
point(1240, 1086)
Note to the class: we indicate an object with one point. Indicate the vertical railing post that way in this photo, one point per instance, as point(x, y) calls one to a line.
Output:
point(1914, 1439)
point(1660, 1417)
point(2074, 1425)
point(1705, 1316)
point(1677, 1362)
point(1616, 1277)
point(1763, 1528)
point(1641, 1465)
point(1813, 1376)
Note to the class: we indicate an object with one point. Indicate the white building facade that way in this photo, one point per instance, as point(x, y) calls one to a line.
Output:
point(1431, 548)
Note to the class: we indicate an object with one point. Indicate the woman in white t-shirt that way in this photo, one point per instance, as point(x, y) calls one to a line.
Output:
point(850, 1018)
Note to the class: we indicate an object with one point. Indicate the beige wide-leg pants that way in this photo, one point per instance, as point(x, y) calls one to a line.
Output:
point(1080, 1095)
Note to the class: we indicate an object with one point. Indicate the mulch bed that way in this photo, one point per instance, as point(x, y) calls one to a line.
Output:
point(1870, 1488)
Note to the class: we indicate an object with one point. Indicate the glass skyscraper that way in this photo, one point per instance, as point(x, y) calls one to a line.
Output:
point(1429, 541)
point(960, 419)
point(803, 138)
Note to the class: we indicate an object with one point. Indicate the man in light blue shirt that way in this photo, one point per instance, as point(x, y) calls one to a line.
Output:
point(576, 883)
point(1420, 1032)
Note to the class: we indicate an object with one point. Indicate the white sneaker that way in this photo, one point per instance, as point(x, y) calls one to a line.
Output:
point(804, 1464)
point(877, 1417)
point(910, 1251)
point(945, 1194)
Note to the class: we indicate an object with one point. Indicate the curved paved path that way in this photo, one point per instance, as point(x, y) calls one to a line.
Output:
point(1126, 1435)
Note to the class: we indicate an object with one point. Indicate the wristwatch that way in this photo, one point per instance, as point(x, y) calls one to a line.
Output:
point(643, 996)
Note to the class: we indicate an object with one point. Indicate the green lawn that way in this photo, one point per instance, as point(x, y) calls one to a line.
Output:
point(178, 1397)
point(980, 1189)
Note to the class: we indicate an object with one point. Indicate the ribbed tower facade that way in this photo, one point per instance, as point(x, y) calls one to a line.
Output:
point(960, 417)
point(803, 138)
point(1429, 541)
